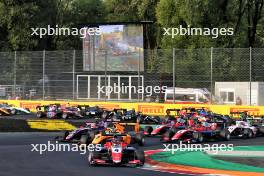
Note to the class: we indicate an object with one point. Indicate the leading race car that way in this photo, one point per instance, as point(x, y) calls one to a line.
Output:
point(116, 152)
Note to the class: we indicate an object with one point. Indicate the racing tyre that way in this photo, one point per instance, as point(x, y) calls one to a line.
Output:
point(169, 134)
point(39, 114)
point(246, 133)
point(91, 135)
point(87, 138)
point(225, 134)
point(261, 130)
point(148, 129)
point(140, 139)
point(140, 156)
point(66, 133)
point(198, 137)
point(250, 134)
point(91, 157)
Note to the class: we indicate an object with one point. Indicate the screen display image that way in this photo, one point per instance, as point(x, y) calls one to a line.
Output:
point(120, 47)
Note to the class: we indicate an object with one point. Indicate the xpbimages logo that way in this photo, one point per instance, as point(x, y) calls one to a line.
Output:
point(59, 147)
point(124, 89)
point(49, 30)
point(183, 147)
point(214, 32)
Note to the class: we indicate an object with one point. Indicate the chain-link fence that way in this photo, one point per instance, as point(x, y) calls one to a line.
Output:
point(208, 75)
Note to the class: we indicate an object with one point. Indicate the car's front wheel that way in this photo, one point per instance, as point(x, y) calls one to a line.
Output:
point(91, 157)
point(140, 156)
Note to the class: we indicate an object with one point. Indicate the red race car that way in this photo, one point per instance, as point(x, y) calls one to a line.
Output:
point(200, 132)
point(116, 152)
point(170, 122)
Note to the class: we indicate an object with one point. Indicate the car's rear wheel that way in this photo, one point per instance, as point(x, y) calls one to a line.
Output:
point(169, 134)
point(225, 134)
point(246, 133)
point(87, 138)
point(148, 129)
point(198, 137)
point(250, 134)
point(261, 130)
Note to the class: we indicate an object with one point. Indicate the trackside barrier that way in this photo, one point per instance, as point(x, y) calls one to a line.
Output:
point(146, 108)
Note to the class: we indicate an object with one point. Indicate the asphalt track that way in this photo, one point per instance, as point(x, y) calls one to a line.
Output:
point(16, 158)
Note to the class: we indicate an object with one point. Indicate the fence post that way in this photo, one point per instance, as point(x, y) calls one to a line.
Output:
point(73, 75)
point(106, 89)
point(138, 72)
point(15, 68)
point(43, 75)
point(173, 72)
point(250, 74)
point(211, 76)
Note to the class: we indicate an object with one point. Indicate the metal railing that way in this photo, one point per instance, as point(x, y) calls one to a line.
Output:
point(231, 75)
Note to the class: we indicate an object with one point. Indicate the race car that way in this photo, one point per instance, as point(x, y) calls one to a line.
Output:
point(242, 129)
point(130, 137)
point(91, 112)
point(15, 110)
point(49, 111)
point(116, 152)
point(169, 122)
point(257, 122)
point(71, 112)
point(90, 129)
point(146, 119)
point(124, 115)
point(201, 132)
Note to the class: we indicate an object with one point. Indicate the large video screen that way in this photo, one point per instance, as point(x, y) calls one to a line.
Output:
point(117, 48)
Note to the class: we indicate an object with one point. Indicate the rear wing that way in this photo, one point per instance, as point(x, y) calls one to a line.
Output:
point(129, 127)
point(39, 108)
point(120, 109)
point(43, 107)
point(173, 110)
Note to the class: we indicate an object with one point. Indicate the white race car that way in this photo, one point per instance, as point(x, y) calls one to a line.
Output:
point(242, 129)
point(15, 110)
